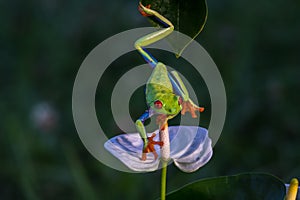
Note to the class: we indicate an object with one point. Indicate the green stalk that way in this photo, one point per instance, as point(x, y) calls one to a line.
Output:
point(163, 179)
point(165, 157)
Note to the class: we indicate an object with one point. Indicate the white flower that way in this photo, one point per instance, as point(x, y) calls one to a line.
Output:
point(190, 149)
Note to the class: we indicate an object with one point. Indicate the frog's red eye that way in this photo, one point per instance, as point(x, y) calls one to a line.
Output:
point(158, 104)
point(179, 101)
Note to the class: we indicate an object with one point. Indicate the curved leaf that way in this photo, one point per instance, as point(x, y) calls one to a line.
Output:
point(187, 16)
point(243, 186)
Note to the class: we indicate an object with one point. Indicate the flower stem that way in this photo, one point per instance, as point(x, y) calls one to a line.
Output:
point(165, 157)
point(163, 179)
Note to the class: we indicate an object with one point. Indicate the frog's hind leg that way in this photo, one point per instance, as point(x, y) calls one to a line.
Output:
point(152, 37)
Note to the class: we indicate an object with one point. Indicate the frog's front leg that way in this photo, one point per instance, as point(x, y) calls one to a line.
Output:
point(179, 88)
point(148, 142)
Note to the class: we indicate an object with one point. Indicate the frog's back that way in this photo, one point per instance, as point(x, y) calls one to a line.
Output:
point(159, 84)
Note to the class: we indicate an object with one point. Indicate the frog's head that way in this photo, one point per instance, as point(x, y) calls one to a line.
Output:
point(169, 104)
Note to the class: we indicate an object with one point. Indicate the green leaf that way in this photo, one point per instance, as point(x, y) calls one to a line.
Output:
point(243, 186)
point(187, 16)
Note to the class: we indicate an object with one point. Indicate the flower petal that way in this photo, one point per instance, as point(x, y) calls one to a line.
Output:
point(198, 150)
point(181, 137)
point(128, 149)
point(190, 148)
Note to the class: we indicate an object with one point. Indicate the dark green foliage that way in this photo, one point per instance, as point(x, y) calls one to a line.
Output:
point(187, 16)
point(42, 45)
point(243, 186)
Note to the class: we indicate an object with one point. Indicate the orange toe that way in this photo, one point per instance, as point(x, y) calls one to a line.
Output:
point(142, 11)
point(150, 147)
point(187, 106)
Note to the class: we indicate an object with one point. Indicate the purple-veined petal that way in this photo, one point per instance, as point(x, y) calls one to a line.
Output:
point(190, 148)
point(197, 153)
point(181, 138)
point(128, 149)
point(194, 166)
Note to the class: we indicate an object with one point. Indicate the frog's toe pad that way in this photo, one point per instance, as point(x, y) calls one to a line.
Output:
point(187, 106)
point(150, 147)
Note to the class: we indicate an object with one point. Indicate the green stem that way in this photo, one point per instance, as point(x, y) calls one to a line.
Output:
point(163, 179)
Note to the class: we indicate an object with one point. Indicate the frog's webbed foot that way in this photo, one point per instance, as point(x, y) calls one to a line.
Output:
point(149, 148)
point(144, 10)
point(189, 106)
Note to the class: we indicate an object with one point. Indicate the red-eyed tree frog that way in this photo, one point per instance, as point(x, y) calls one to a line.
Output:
point(166, 94)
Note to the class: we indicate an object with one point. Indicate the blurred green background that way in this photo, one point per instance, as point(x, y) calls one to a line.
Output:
point(256, 46)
